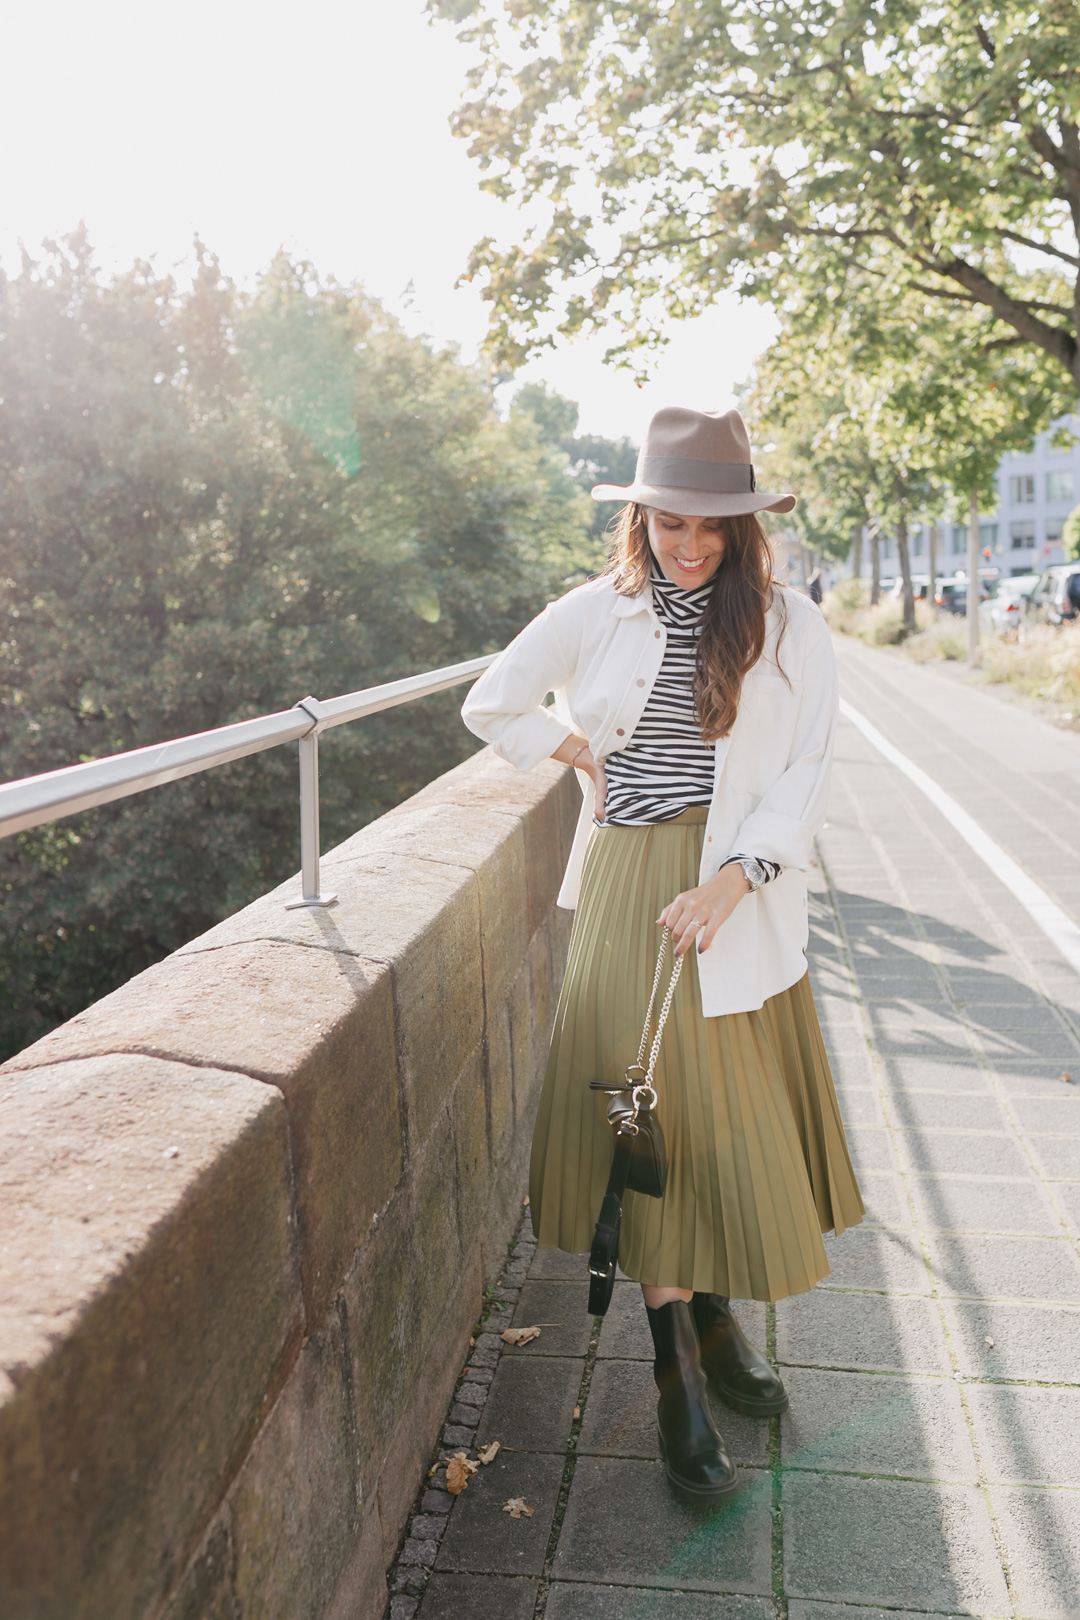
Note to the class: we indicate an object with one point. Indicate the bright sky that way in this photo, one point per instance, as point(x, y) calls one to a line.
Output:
point(321, 128)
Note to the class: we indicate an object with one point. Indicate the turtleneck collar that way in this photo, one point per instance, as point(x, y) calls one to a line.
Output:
point(685, 601)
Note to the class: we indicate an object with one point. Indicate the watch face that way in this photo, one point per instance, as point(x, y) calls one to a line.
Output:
point(755, 872)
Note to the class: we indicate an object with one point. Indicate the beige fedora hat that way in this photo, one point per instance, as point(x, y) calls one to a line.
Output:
point(696, 463)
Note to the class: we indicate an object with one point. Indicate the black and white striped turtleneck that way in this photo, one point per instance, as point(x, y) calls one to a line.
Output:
point(667, 766)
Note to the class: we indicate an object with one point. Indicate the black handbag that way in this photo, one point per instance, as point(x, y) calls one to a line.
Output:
point(639, 1162)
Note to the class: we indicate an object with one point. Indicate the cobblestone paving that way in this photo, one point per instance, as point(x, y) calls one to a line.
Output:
point(930, 1462)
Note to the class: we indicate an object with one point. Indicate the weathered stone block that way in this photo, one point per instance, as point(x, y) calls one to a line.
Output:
point(317, 1024)
point(420, 1423)
point(382, 1311)
point(418, 1553)
point(486, 780)
point(504, 1205)
point(295, 1506)
point(542, 994)
point(206, 1590)
point(435, 1225)
point(549, 817)
point(361, 1591)
point(472, 1394)
point(410, 912)
point(488, 842)
point(500, 1081)
point(149, 1300)
point(471, 1149)
point(424, 919)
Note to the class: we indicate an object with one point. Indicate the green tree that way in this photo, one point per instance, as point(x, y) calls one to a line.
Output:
point(844, 148)
point(591, 458)
point(886, 416)
point(1070, 535)
point(210, 506)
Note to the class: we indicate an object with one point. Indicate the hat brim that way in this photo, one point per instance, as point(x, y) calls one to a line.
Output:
point(694, 502)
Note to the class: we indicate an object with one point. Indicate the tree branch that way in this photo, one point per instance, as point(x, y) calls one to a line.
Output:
point(1016, 313)
point(1040, 247)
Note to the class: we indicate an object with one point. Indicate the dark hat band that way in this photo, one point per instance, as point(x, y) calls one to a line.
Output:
point(684, 472)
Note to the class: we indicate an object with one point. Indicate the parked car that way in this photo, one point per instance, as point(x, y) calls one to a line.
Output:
point(1005, 606)
point(1056, 598)
point(951, 594)
point(920, 585)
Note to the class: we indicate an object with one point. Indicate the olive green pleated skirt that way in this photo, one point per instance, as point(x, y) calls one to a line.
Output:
point(758, 1165)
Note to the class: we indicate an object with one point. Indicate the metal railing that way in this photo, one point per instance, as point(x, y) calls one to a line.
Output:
point(37, 799)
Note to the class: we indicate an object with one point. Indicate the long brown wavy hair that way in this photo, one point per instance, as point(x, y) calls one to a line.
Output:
point(733, 627)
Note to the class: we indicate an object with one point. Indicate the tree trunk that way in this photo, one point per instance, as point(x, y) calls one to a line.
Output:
point(973, 579)
point(875, 569)
point(931, 588)
point(856, 550)
point(905, 571)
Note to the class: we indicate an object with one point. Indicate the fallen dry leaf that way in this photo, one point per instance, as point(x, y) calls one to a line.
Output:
point(1066, 1076)
point(458, 1470)
point(521, 1335)
point(517, 1509)
point(990, 1341)
point(577, 1412)
point(525, 1202)
point(489, 1452)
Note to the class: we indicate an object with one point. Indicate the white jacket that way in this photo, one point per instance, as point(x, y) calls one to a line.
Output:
point(599, 653)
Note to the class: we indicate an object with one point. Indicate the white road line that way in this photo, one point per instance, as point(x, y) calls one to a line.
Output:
point(1055, 923)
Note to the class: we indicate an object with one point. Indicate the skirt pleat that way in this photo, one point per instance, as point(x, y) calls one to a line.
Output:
point(758, 1165)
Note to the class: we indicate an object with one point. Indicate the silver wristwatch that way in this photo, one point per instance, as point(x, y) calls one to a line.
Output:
point(754, 872)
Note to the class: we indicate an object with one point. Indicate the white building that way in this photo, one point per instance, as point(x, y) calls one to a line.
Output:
point(1036, 491)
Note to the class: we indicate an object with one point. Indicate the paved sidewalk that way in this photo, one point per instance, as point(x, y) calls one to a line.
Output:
point(930, 1462)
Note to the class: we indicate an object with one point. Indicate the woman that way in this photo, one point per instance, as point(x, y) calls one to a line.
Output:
point(697, 700)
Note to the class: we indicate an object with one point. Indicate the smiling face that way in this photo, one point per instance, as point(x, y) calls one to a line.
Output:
point(688, 549)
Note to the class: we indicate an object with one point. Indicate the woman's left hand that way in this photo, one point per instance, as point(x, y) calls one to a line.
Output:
point(698, 913)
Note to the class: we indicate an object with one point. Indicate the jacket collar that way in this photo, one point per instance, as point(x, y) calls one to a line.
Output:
point(626, 606)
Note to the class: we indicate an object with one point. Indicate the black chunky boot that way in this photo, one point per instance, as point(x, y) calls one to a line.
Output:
point(690, 1442)
point(740, 1375)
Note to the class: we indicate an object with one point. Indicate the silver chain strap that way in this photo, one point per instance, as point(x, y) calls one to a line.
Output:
point(644, 1093)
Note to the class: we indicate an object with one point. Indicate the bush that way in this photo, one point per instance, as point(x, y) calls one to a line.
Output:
point(1044, 663)
point(941, 636)
point(844, 605)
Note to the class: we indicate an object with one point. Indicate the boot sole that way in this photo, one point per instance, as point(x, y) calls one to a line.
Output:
point(747, 1405)
point(696, 1493)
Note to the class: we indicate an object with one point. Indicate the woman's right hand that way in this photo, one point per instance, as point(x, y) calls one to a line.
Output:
point(599, 782)
point(576, 751)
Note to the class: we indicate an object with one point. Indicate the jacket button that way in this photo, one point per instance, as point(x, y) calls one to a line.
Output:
point(619, 732)
point(656, 635)
point(641, 683)
point(709, 839)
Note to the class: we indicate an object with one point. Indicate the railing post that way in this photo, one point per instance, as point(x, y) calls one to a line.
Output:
point(309, 823)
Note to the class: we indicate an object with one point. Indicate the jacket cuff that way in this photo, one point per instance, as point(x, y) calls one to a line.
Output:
point(773, 837)
point(525, 740)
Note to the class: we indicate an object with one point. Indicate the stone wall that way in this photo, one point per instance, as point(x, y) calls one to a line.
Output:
point(250, 1202)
